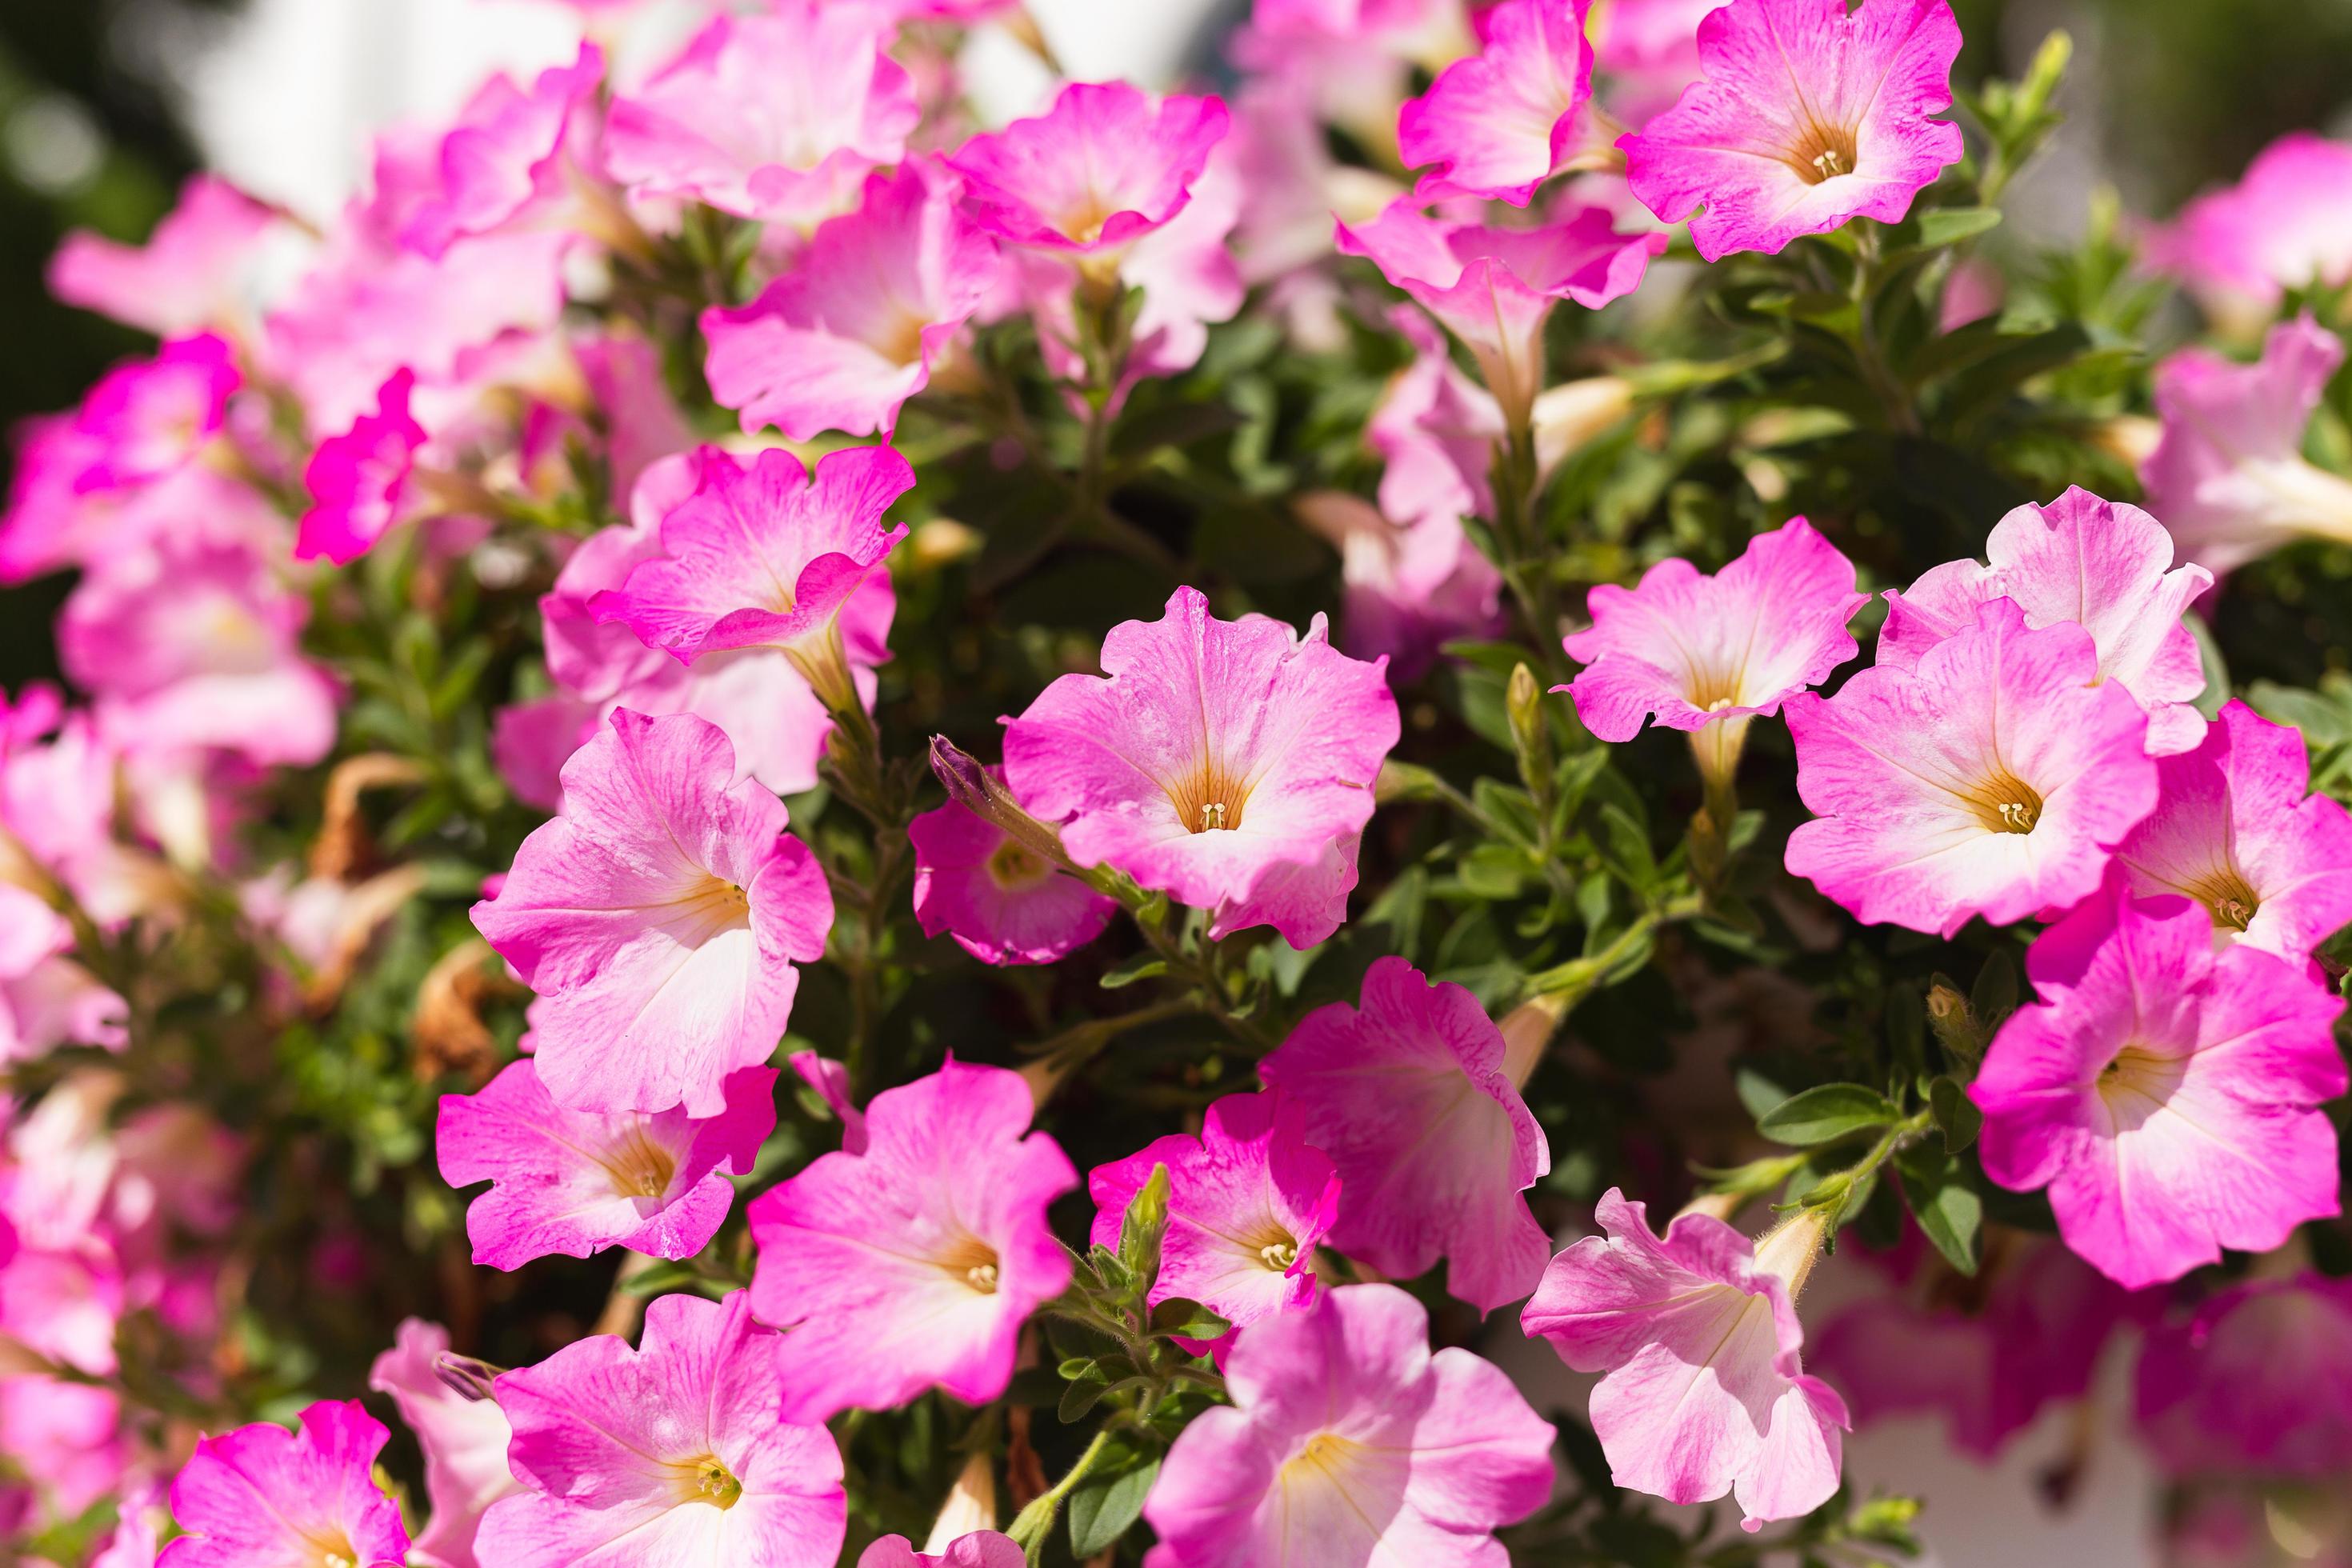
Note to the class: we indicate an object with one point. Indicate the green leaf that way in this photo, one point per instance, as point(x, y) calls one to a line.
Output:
point(1103, 1507)
point(1956, 1113)
point(1079, 1398)
point(1950, 226)
point(1142, 966)
point(1994, 996)
point(1188, 1320)
point(1824, 1113)
point(1948, 1208)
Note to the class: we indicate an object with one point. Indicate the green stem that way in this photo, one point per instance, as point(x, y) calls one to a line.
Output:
point(1037, 1521)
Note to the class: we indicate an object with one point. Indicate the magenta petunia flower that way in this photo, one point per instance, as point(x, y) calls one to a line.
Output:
point(1104, 167)
point(1227, 763)
point(195, 272)
point(360, 480)
point(842, 340)
point(2286, 224)
point(2162, 1092)
point(148, 419)
point(1348, 1443)
point(771, 556)
point(2229, 478)
point(2236, 831)
point(1807, 115)
point(515, 154)
point(776, 115)
point(1698, 1334)
point(1693, 650)
point(1433, 1145)
point(1001, 901)
point(1994, 778)
point(262, 1497)
point(913, 1264)
point(659, 919)
point(2105, 566)
point(981, 1549)
point(1493, 288)
point(1504, 121)
point(1648, 50)
point(829, 1081)
point(668, 1454)
point(2252, 1383)
point(577, 1181)
point(1248, 1200)
point(1409, 589)
point(465, 1443)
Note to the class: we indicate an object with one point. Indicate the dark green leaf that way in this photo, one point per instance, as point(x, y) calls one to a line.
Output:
point(1102, 1507)
point(1994, 996)
point(1826, 1112)
point(1142, 966)
point(1956, 1113)
point(1944, 1200)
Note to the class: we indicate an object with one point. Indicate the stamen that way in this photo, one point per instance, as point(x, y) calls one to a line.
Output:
point(2017, 816)
point(1212, 816)
point(982, 1276)
point(716, 1486)
point(1279, 1256)
point(2233, 914)
point(1828, 161)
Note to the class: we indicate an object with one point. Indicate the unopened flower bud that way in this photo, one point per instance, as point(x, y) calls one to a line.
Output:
point(1527, 1030)
point(1572, 415)
point(980, 791)
point(1790, 1248)
point(971, 1505)
point(468, 1377)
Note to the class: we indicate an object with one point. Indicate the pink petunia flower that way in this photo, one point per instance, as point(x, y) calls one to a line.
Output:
point(1494, 287)
point(1248, 1202)
point(515, 156)
point(981, 1549)
point(1347, 1443)
point(776, 115)
point(659, 919)
point(577, 1181)
point(2236, 829)
point(465, 1443)
point(771, 556)
point(146, 420)
point(2103, 565)
point(1436, 429)
point(1002, 901)
point(194, 273)
point(2229, 478)
point(69, 1440)
point(2286, 224)
point(668, 1454)
point(262, 1497)
point(829, 1081)
point(848, 334)
point(1227, 763)
point(2248, 1383)
point(913, 1264)
point(2162, 1092)
point(360, 481)
point(1504, 121)
point(1648, 50)
point(1705, 1392)
point(1807, 115)
point(1406, 590)
point(47, 998)
point(1991, 779)
point(1433, 1145)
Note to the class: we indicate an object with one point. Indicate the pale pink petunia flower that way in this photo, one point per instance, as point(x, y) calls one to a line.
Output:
point(1494, 287)
point(1407, 589)
point(1347, 1443)
point(1436, 429)
point(855, 328)
point(981, 1549)
point(2252, 1383)
point(668, 1454)
point(1434, 1148)
point(1002, 901)
point(643, 423)
point(515, 156)
point(894, 1269)
point(1992, 779)
point(576, 1182)
point(1504, 121)
point(1227, 763)
point(2236, 829)
point(2105, 565)
point(262, 1497)
point(659, 919)
point(2227, 478)
point(193, 272)
point(829, 1081)
point(47, 998)
point(1706, 1392)
point(2286, 224)
point(2165, 1093)
point(151, 418)
point(1807, 115)
point(465, 1443)
point(68, 1439)
point(361, 481)
point(1248, 1202)
point(776, 115)
point(1107, 165)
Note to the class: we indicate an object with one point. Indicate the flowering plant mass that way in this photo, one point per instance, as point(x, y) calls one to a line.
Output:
point(795, 826)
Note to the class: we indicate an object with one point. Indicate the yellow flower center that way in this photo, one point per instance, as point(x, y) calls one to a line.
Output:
point(2006, 804)
point(639, 1167)
point(1210, 799)
point(1012, 866)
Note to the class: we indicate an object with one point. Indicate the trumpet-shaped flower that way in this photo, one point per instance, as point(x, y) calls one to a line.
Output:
point(2105, 566)
point(1104, 167)
point(1705, 1392)
point(360, 480)
point(1992, 779)
point(2229, 478)
point(1436, 429)
point(1248, 1200)
point(668, 1454)
point(848, 334)
point(2236, 829)
point(150, 419)
point(1493, 288)
point(2164, 1092)
point(515, 154)
point(1807, 115)
point(191, 274)
point(262, 1497)
point(981, 1549)
point(1504, 121)
point(898, 1268)
point(2286, 224)
point(1348, 1443)
point(1002, 901)
point(1407, 589)
point(577, 1181)
point(659, 919)
point(1433, 1145)
point(1227, 763)
point(2247, 1384)
point(465, 1442)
